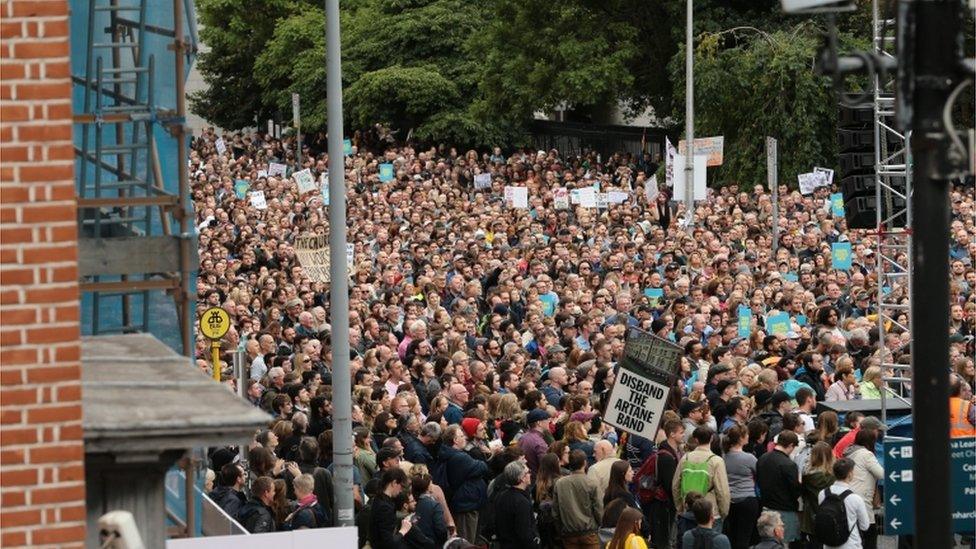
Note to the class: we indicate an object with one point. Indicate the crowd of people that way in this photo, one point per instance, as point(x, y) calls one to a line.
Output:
point(484, 338)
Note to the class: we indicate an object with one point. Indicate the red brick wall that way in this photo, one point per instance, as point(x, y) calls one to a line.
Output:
point(42, 486)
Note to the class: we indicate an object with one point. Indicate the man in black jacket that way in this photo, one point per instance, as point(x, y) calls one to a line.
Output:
point(256, 514)
point(383, 531)
point(229, 493)
point(779, 483)
point(811, 372)
point(514, 525)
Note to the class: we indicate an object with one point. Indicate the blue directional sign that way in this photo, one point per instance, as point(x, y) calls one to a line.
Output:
point(899, 486)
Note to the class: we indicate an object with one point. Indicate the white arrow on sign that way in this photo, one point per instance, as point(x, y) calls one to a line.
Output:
point(894, 476)
point(894, 452)
point(895, 523)
point(895, 500)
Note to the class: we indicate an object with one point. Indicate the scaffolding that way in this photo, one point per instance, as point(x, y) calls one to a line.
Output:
point(893, 192)
point(136, 237)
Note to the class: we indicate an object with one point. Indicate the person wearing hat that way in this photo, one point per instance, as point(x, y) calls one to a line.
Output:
point(532, 442)
point(693, 415)
point(773, 417)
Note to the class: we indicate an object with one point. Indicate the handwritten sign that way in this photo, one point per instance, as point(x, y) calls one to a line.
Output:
point(257, 200)
point(305, 180)
point(277, 169)
point(710, 147)
point(313, 255)
point(482, 181)
point(560, 198)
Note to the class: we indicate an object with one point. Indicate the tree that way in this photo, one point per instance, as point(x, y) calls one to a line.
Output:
point(235, 33)
point(765, 85)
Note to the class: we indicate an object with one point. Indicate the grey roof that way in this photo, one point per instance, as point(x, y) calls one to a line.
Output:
point(140, 395)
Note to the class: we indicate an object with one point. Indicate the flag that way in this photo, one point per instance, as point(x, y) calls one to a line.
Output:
point(669, 153)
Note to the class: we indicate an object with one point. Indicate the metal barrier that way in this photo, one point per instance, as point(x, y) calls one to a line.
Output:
point(216, 522)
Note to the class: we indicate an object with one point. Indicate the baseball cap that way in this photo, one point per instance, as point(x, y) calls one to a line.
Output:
point(536, 416)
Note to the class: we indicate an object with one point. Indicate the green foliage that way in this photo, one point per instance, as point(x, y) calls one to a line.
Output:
point(763, 85)
point(235, 33)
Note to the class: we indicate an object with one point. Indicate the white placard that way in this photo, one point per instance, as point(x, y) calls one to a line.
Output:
point(602, 201)
point(257, 200)
point(277, 169)
point(517, 197)
point(650, 188)
point(809, 182)
point(636, 403)
point(669, 154)
point(560, 198)
point(701, 173)
point(305, 180)
point(617, 197)
point(312, 252)
point(262, 173)
point(574, 196)
point(482, 181)
point(221, 146)
point(587, 197)
point(270, 128)
point(324, 185)
point(828, 174)
point(350, 255)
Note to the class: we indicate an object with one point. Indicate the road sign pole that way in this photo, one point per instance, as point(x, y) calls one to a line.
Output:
point(296, 116)
point(772, 177)
point(215, 355)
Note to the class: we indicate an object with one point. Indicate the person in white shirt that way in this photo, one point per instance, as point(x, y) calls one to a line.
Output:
point(857, 511)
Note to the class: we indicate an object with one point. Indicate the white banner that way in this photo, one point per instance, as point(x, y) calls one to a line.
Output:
point(636, 403)
point(669, 154)
point(313, 255)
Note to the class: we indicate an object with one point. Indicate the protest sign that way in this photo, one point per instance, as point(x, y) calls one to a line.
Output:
point(548, 304)
point(710, 147)
point(840, 255)
point(653, 295)
point(744, 321)
point(574, 196)
point(312, 252)
point(644, 379)
point(828, 175)
point(587, 197)
point(277, 169)
point(701, 162)
point(386, 172)
point(258, 201)
point(809, 182)
point(221, 146)
point(350, 254)
point(347, 147)
point(617, 197)
point(324, 185)
point(517, 197)
point(669, 154)
point(240, 188)
point(482, 181)
point(791, 277)
point(305, 180)
point(778, 324)
point(837, 204)
point(801, 320)
point(602, 201)
point(650, 189)
point(262, 173)
point(560, 198)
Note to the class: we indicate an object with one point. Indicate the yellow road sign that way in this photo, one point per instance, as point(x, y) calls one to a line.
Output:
point(214, 323)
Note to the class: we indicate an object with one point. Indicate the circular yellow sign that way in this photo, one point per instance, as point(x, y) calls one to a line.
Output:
point(214, 323)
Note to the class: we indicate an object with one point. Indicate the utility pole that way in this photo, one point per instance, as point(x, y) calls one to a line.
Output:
point(338, 273)
point(296, 117)
point(772, 178)
point(689, 119)
point(935, 72)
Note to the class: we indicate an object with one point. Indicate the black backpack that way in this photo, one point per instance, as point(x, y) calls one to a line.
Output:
point(830, 521)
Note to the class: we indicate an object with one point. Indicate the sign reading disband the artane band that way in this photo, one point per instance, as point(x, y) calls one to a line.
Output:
point(644, 380)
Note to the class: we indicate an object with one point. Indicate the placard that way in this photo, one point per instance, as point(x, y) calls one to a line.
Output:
point(241, 187)
point(347, 147)
point(560, 198)
point(574, 196)
point(653, 295)
point(482, 181)
point(275, 169)
point(837, 204)
point(312, 252)
point(710, 147)
point(701, 176)
point(650, 189)
point(602, 201)
point(305, 180)
point(262, 173)
point(778, 324)
point(386, 172)
point(221, 146)
point(827, 173)
point(840, 255)
point(517, 197)
point(587, 197)
point(324, 185)
point(810, 182)
point(744, 321)
point(548, 304)
point(643, 384)
point(617, 197)
point(257, 200)
point(669, 155)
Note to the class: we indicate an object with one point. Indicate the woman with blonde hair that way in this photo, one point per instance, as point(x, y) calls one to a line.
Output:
point(871, 383)
point(575, 437)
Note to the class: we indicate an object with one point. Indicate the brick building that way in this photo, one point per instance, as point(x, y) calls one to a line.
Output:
point(42, 481)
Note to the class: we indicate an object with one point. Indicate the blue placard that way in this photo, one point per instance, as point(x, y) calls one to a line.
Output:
point(840, 254)
point(778, 324)
point(548, 304)
point(326, 197)
point(801, 320)
point(386, 172)
point(899, 485)
point(240, 188)
point(347, 147)
point(837, 204)
point(790, 277)
point(653, 295)
point(745, 321)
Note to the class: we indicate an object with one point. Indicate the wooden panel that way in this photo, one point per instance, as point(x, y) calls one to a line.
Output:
point(128, 255)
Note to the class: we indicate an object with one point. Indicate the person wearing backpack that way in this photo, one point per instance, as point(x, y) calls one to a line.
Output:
point(842, 514)
point(704, 472)
point(308, 514)
point(662, 510)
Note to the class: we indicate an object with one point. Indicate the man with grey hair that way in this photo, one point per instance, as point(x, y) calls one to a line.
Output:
point(414, 449)
point(600, 471)
point(771, 531)
point(416, 330)
point(512, 523)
